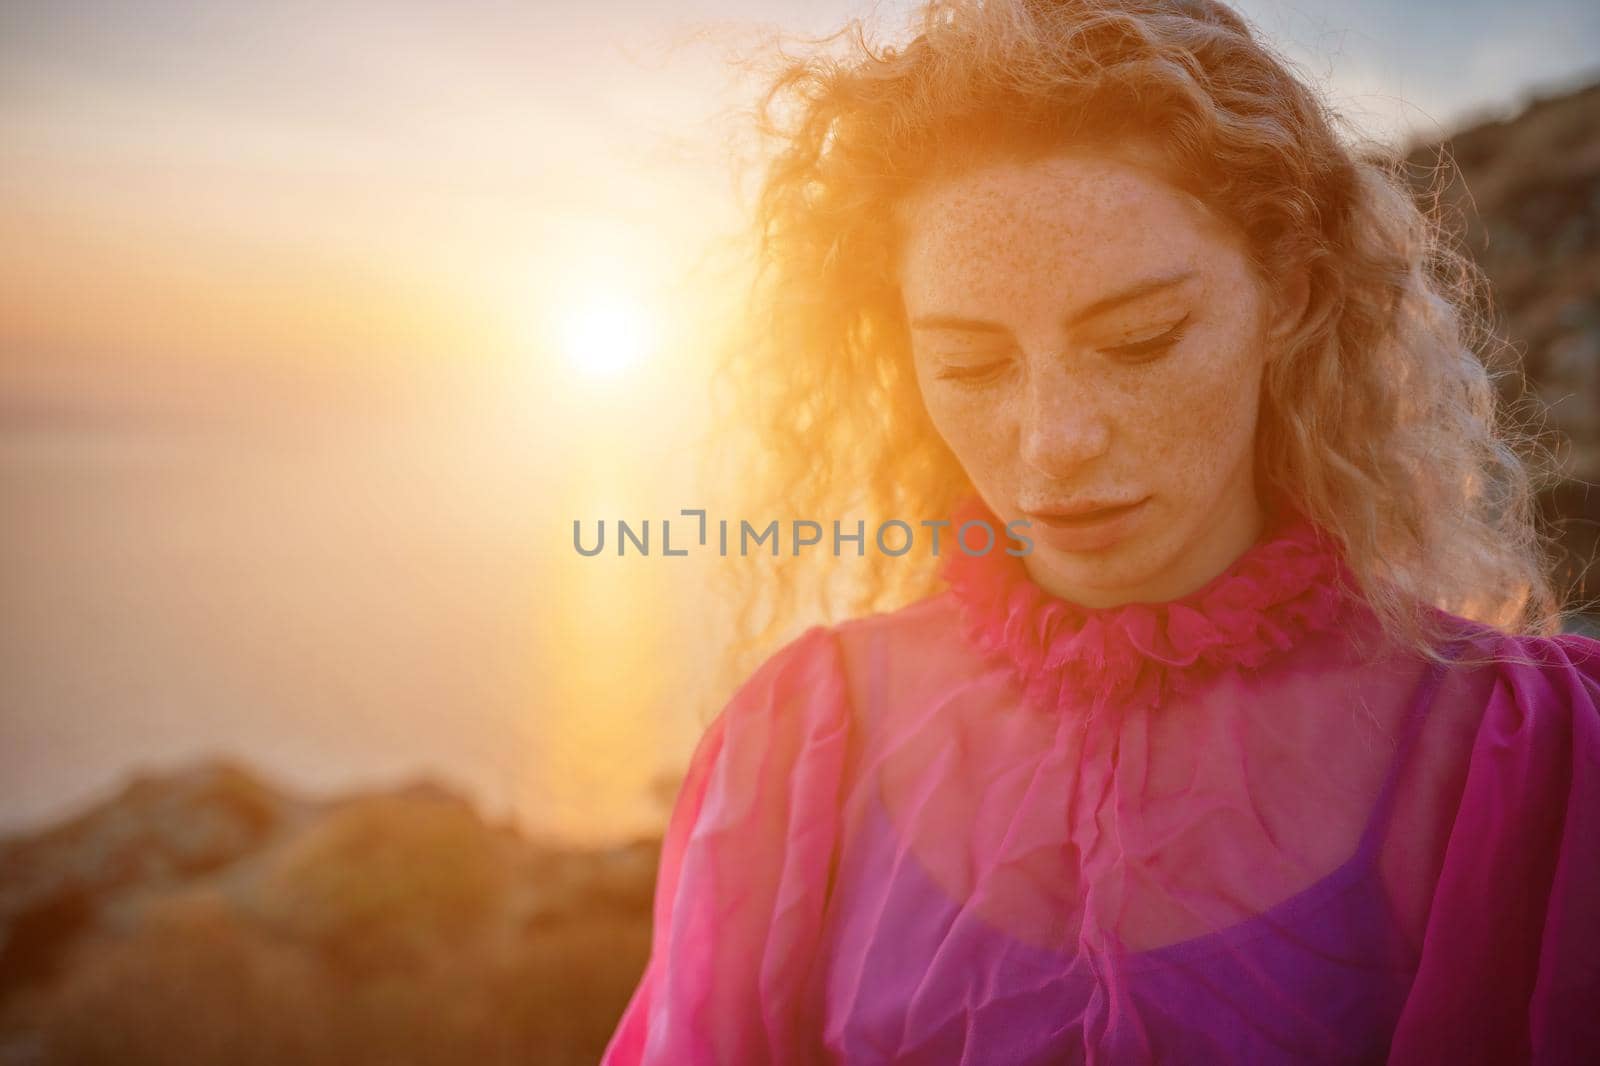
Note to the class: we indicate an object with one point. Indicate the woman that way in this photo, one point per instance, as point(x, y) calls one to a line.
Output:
point(1269, 749)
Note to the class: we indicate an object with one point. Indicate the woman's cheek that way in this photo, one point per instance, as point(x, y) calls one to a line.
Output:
point(976, 428)
point(963, 411)
point(1208, 412)
point(955, 420)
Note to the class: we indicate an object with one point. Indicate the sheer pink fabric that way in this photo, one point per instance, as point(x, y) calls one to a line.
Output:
point(994, 827)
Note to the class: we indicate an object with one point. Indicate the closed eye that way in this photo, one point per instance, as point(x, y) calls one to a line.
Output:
point(976, 374)
point(1151, 346)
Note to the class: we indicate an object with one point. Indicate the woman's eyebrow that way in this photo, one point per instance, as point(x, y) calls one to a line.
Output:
point(968, 325)
point(1133, 292)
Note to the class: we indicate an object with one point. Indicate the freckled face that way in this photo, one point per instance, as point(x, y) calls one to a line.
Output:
point(1086, 333)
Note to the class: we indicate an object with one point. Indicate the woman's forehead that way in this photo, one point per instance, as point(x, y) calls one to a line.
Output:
point(1088, 220)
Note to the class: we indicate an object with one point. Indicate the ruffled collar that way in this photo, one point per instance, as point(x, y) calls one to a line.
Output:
point(1291, 582)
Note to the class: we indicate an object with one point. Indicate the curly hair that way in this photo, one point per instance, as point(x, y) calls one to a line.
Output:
point(1381, 419)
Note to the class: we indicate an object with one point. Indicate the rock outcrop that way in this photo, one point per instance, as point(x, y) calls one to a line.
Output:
point(1525, 194)
point(207, 917)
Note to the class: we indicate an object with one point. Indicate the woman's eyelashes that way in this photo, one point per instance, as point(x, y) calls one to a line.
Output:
point(976, 373)
point(1140, 351)
point(1151, 347)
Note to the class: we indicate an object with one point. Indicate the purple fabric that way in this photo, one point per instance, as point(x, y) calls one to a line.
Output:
point(1321, 977)
point(996, 828)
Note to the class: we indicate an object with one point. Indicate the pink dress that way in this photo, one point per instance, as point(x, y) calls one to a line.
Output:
point(994, 827)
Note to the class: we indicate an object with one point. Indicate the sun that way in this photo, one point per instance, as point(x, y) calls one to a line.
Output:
point(606, 334)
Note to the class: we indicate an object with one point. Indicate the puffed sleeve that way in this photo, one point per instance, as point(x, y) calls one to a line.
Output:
point(1510, 964)
point(744, 874)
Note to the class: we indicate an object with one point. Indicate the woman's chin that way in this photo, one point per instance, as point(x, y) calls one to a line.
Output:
point(1107, 578)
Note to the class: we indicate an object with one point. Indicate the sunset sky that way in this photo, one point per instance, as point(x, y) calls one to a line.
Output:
point(319, 323)
point(343, 186)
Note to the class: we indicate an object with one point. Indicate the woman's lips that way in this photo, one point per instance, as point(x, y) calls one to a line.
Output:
point(1091, 531)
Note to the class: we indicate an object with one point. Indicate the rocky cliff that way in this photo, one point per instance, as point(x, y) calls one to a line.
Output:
point(1523, 194)
point(207, 917)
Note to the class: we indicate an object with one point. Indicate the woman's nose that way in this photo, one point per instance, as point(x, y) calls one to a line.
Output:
point(1062, 427)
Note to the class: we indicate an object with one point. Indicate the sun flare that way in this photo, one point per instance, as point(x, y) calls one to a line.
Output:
point(605, 335)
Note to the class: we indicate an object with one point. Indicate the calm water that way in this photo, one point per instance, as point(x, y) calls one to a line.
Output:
point(339, 599)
